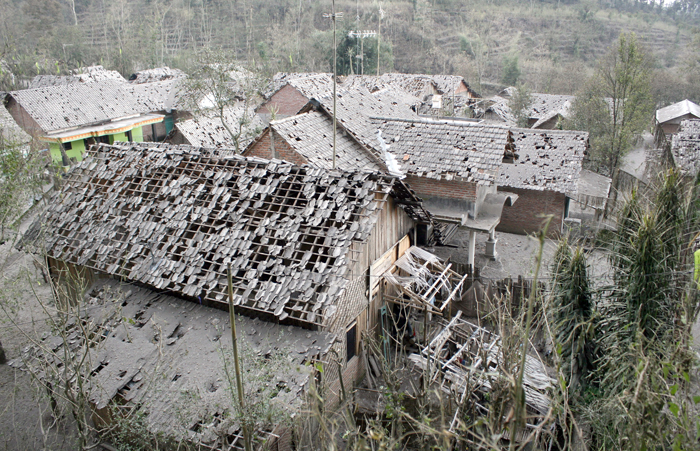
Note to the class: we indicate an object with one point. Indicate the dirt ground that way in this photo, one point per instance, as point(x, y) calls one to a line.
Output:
point(25, 419)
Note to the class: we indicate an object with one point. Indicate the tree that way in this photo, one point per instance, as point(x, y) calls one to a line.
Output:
point(511, 71)
point(218, 84)
point(519, 104)
point(616, 104)
point(572, 314)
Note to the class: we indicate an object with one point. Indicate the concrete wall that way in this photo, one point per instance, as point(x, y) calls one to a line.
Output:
point(524, 216)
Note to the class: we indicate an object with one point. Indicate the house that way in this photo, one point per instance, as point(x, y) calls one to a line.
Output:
point(544, 172)
point(295, 92)
point(207, 130)
point(302, 242)
point(669, 118)
point(310, 138)
point(453, 166)
point(546, 111)
point(71, 117)
point(88, 74)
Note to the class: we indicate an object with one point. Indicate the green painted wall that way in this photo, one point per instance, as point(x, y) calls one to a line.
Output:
point(76, 152)
point(117, 137)
point(137, 134)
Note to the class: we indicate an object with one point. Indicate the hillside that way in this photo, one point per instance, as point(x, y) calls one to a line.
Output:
point(554, 46)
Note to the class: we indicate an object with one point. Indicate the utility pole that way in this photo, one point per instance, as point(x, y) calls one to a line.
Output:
point(379, 35)
point(361, 35)
point(333, 16)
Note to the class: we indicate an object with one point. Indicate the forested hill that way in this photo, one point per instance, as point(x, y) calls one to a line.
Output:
point(550, 45)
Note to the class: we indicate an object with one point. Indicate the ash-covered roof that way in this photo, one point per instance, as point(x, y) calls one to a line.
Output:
point(164, 95)
point(546, 160)
point(83, 75)
point(158, 353)
point(282, 78)
point(78, 104)
point(685, 147)
point(311, 135)
point(173, 217)
point(446, 149)
point(677, 110)
point(355, 107)
point(209, 131)
point(543, 107)
point(156, 74)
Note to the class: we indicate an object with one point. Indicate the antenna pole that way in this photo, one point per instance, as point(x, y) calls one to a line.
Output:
point(333, 16)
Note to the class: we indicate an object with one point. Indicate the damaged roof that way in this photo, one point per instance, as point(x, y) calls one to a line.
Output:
point(282, 78)
point(79, 104)
point(546, 160)
point(156, 74)
point(446, 149)
point(685, 147)
point(173, 218)
point(209, 131)
point(88, 74)
point(158, 353)
point(311, 135)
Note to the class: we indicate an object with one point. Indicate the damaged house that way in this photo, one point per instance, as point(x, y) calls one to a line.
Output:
point(304, 243)
point(545, 174)
point(72, 117)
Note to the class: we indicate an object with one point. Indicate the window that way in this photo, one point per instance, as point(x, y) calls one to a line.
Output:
point(67, 146)
point(103, 139)
point(351, 342)
point(129, 137)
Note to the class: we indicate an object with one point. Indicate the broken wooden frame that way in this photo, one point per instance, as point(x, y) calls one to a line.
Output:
point(421, 280)
point(464, 359)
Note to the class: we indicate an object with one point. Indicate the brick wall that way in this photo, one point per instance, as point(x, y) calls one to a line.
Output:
point(522, 216)
point(262, 148)
point(287, 100)
point(451, 189)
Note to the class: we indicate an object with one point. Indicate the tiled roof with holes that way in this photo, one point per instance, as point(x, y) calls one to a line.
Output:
point(446, 149)
point(313, 86)
point(685, 147)
point(79, 104)
point(174, 217)
point(542, 107)
point(164, 95)
point(156, 74)
point(355, 107)
point(85, 75)
point(282, 78)
point(545, 160)
point(311, 135)
point(205, 131)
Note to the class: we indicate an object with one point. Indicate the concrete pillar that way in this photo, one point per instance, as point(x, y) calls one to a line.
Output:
point(491, 245)
point(472, 247)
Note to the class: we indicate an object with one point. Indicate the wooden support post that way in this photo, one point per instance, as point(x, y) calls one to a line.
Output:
point(237, 365)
